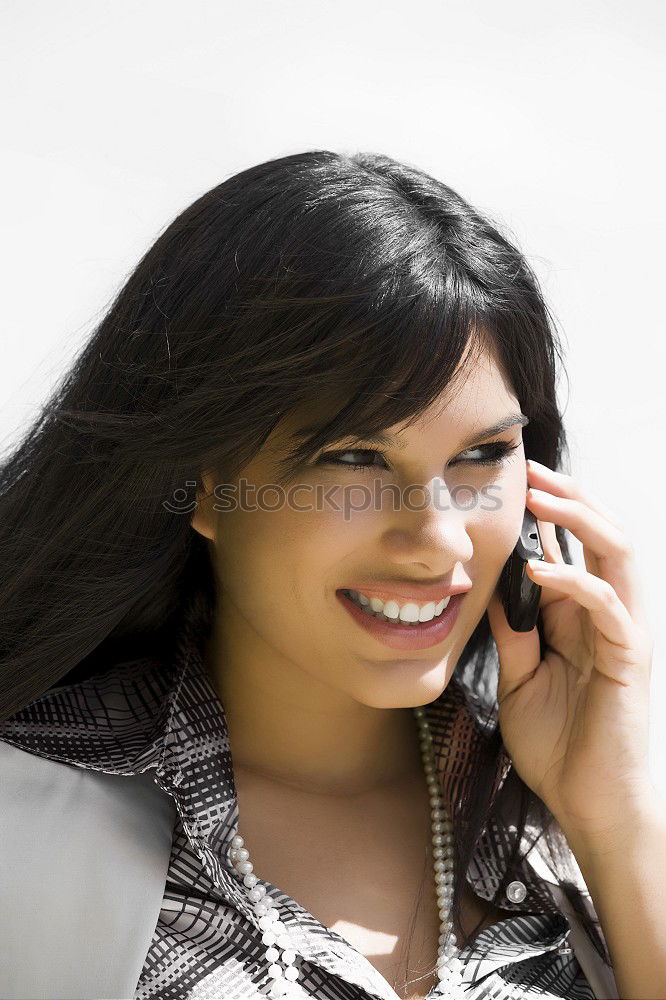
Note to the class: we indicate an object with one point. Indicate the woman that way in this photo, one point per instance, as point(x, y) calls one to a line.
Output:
point(371, 785)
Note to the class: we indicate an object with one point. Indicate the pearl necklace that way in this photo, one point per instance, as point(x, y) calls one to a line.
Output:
point(276, 933)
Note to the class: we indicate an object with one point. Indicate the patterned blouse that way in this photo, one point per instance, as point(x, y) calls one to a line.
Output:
point(149, 715)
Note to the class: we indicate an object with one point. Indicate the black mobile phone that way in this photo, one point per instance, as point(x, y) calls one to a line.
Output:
point(520, 594)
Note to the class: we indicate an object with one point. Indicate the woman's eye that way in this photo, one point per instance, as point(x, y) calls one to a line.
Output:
point(489, 454)
point(333, 458)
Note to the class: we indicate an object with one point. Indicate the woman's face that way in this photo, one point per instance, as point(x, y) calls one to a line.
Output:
point(281, 570)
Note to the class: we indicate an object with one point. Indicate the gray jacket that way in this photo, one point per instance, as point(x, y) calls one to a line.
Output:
point(68, 839)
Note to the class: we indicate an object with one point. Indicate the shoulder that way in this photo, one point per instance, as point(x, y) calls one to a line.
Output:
point(72, 838)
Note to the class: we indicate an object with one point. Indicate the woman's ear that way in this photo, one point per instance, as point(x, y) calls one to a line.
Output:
point(203, 519)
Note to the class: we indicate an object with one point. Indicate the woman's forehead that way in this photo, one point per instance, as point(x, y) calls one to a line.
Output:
point(478, 380)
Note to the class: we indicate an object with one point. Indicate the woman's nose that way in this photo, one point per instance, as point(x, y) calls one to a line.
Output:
point(439, 538)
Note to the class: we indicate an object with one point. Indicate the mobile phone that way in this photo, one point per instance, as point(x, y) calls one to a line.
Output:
point(520, 594)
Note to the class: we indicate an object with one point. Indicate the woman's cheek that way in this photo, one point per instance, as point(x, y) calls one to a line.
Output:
point(495, 522)
point(345, 511)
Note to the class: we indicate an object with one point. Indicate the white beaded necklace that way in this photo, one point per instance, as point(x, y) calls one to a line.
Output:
point(276, 933)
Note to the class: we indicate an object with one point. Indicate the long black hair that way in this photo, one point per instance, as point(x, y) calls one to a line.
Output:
point(309, 276)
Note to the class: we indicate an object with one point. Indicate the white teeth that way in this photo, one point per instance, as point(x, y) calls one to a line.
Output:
point(410, 612)
point(392, 609)
point(427, 612)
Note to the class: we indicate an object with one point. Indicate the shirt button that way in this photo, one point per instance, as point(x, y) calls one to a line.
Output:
point(516, 892)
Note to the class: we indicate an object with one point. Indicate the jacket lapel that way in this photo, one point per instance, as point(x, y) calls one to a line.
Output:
point(83, 863)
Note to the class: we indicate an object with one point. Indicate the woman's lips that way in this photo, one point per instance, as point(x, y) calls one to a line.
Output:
point(401, 636)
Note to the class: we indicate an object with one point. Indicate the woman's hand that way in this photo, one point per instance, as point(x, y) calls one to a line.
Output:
point(575, 722)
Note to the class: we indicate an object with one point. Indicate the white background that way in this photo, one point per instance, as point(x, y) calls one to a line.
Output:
point(548, 116)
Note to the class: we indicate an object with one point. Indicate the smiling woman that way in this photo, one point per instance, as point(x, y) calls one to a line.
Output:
point(309, 688)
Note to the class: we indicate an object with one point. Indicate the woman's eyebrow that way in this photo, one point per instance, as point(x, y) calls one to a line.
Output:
point(388, 440)
point(510, 420)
